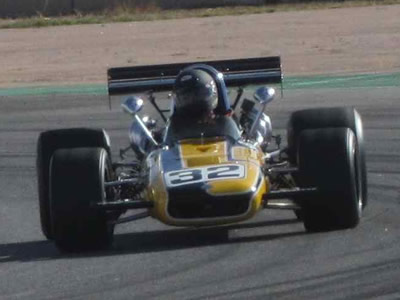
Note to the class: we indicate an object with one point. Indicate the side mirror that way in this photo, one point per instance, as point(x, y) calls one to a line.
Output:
point(132, 105)
point(264, 94)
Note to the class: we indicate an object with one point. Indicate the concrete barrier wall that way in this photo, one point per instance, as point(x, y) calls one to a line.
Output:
point(87, 6)
point(24, 8)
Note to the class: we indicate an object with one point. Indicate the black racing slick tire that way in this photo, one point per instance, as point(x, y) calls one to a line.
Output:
point(330, 117)
point(327, 160)
point(48, 143)
point(77, 178)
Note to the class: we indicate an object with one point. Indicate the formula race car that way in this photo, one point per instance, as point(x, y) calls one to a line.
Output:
point(201, 174)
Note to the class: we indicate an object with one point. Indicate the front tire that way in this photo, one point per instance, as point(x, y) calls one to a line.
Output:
point(330, 117)
point(48, 142)
point(77, 179)
point(327, 160)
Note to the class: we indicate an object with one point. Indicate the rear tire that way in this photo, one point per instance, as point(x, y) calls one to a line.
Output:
point(327, 160)
point(48, 143)
point(77, 179)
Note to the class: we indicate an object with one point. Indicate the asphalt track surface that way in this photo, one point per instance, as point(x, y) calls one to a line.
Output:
point(268, 257)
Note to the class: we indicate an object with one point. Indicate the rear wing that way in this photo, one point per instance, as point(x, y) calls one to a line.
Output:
point(159, 78)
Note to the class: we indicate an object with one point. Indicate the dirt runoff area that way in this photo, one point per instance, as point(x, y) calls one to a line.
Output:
point(333, 41)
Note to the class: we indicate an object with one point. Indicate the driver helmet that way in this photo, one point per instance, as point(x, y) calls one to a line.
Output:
point(196, 93)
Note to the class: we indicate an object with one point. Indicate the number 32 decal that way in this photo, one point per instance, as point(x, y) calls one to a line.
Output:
point(189, 176)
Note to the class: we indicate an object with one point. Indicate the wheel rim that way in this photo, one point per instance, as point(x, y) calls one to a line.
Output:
point(105, 173)
point(356, 155)
point(108, 193)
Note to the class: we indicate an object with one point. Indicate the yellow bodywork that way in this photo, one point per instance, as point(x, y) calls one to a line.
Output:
point(197, 153)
